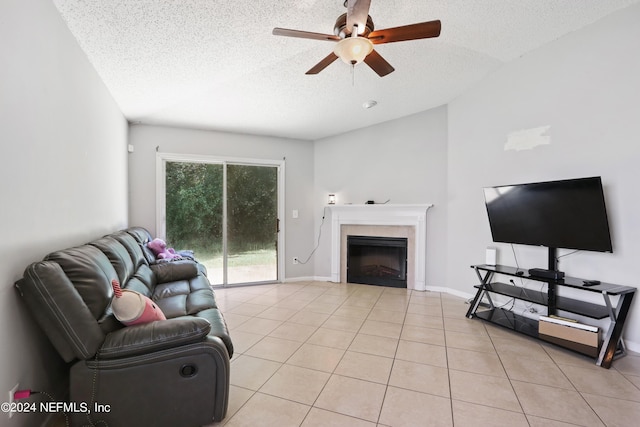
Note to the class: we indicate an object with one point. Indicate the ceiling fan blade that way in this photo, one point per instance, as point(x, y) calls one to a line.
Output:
point(357, 14)
point(423, 30)
point(323, 64)
point(304, 34)
point(378, 64)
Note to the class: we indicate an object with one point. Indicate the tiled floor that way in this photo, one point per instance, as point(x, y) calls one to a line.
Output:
point(324, 354)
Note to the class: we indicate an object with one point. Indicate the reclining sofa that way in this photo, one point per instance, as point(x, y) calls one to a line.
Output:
point(172, 372)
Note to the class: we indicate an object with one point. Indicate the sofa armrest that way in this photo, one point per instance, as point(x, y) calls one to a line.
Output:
point(154, 336)
point(174, 270)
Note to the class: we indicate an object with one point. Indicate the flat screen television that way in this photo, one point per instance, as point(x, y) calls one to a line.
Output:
point(567, 214)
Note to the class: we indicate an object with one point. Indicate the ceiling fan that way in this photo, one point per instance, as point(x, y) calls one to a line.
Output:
point(355, 37)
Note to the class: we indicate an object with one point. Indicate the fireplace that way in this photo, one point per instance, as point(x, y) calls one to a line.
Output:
point(377, 261)
point(383, 220)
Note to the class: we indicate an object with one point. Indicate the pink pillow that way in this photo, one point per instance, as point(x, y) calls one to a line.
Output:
point(133, 308)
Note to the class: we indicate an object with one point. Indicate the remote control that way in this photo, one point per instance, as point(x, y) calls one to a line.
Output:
point(591, 282)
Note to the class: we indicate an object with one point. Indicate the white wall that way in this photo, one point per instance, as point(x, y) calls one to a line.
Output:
point(298, 157)
point(584, 86)
point(63, 170)
point(404, 160)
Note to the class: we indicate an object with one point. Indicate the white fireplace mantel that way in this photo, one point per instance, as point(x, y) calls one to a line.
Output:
point(382, 215)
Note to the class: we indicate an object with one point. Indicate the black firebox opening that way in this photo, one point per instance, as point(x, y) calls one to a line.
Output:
point(377, 260)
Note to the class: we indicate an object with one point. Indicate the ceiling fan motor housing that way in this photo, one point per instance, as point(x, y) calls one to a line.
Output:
point(342, 31)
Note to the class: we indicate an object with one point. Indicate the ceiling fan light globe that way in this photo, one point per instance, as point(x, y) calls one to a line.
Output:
point(353, 50)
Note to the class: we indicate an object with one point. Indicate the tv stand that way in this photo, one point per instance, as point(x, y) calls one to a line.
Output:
point(611, 345)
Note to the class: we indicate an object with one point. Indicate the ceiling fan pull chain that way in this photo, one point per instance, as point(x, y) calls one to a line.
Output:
point(353, 74)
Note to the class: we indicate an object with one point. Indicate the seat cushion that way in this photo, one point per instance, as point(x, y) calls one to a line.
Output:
point(184, 297)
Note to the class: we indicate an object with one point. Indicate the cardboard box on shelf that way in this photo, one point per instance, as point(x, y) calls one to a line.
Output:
point(571, 334)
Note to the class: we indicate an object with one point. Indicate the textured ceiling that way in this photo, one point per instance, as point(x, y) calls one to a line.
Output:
point(214, 64)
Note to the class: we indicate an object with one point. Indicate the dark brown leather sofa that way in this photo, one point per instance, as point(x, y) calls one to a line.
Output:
point(172, 373)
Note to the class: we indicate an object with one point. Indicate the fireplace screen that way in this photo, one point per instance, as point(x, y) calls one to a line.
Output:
point(377, 261)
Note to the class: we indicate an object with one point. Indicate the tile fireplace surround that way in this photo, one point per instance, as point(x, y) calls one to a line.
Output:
point(408, 221)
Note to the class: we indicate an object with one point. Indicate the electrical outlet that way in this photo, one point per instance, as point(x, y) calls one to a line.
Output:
point(296, 260)
point(11, 393)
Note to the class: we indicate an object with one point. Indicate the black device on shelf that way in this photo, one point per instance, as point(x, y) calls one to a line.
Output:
point(546, 274)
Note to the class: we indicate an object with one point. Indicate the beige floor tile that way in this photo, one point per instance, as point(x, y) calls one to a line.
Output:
point(316, 357)
point(293, 331)
point(467, 414)
point(424, 321)
point(545, 422)
point(252, 372)
point(237, 398)
point(365, 367)
point(633, 379)
point(234, 320)
point(259, 326)
point(469, 342)
point(483, 390)
point(397, 304)
point(351, 311)
point(305, 295)
point(291, 303)
point(520, 346)
point(329, 298)
point(614, 412)
point(418, 352)
point(603, 382)
point(425, 309)
point(380, 346)
point(423, 335)
point(243, 341)
point(555, 403)
point(309, 318)
point(301, 385)
point(322, 307)
point(321, 418)
point(267, 411)
point(468, 326)
point(381, 329)
point(276, 349)
point(567, 357)
point(342, 323)
point(534, 371)
point(425, 297)
point(628, 365)
point(496, 377)
point(383, 315)
point(353, 397)
point(475, 361)
point(410, 408)
point(359, 302)
point(277, 313)
point(265, 300)
point(249, 309)
point(420, 377)
point(332, 338)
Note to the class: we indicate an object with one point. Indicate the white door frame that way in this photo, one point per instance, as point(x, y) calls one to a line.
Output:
point(163, 158)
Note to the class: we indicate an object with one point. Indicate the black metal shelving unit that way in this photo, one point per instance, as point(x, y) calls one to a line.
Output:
point(612, 344)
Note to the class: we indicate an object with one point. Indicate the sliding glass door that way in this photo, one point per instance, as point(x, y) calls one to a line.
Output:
point(227, 212)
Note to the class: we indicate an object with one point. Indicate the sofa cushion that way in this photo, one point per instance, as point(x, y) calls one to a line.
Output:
point(218, 326)
point(59, 309)
point(118, 255)
point(184, 297)
point(91, 273)
point(154, 336)
point(174, 270)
